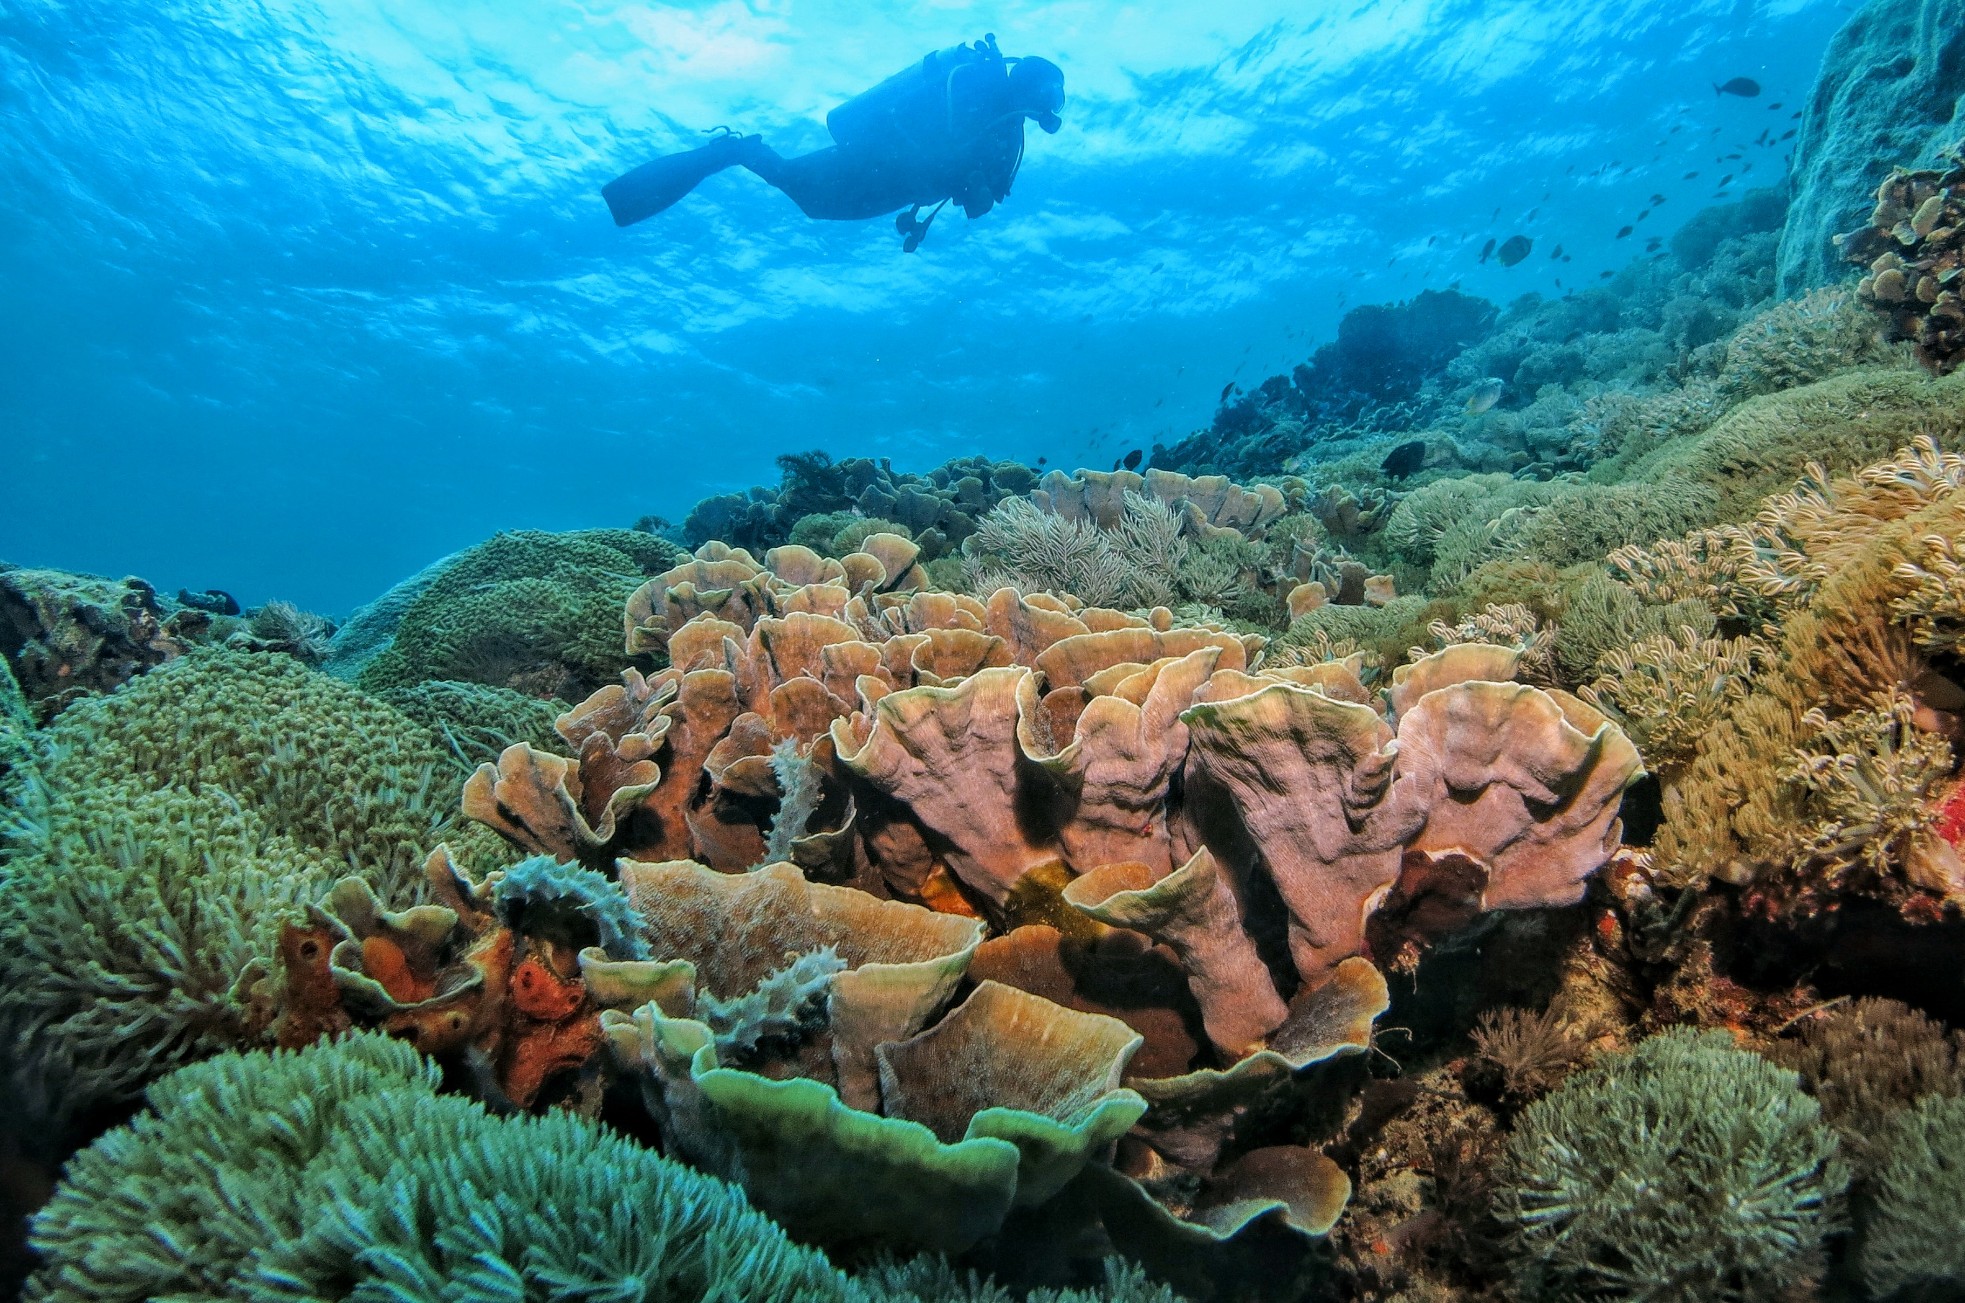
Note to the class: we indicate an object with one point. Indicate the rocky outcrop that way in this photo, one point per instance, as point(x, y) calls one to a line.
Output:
point(1891, 91)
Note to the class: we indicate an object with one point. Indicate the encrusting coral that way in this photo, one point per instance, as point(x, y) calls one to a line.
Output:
point(1914, 249)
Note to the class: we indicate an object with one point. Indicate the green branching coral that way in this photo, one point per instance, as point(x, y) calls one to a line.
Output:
point(836, 533)
point(338, 1172)
point(1681, 1169)
point(800, 791)
point(527, 610)
point(478, 721)
point(568, 904)
point(170, 826)
point(1913, 1232)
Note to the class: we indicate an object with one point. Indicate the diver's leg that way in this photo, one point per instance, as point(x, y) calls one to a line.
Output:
point(831, 184)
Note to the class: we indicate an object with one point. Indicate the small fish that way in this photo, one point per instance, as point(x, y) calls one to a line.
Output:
point(1486, 394)
point(1132, 459)
point(1567, 258)
point(1745, 87)
point(1604, 275)
point(1430, 239)
point(1675, 130)
point(1497, 213)
point(1788, 134)
point(1761, 139)
point(1775, 105)
point(1731, 157)
point(1531, 214)
point(1690, 176)
point(1229, 388)
point(1404, 460)
point(1558, 282)
point(1656, 200)
point(1643, 213)
point(1796, 115)
point(1746, 167)
point(1625, 232)
point(1042, 460)
point(1514, 250)
point(1487, 249)
point(1557, 254)
point(1651, 245)
point(1726, 179)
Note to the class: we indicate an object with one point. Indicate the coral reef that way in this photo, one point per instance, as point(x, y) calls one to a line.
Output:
point(163, 831)
point(66, 636)
point(525, 610)
point(938, 509)
point(1684, 1168)
point(1891, 89)
point(1913, 1243)
point(1914, 249)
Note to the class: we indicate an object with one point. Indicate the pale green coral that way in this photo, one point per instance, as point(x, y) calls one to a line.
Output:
point(478, 721)
point(339, 1172)
point(528, 610)
point(171, 825)
point(1914, 1213)
point(1681, 1169)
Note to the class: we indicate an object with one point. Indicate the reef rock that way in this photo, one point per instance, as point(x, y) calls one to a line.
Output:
point(1891, 89)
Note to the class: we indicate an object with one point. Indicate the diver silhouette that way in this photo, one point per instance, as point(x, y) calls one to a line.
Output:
point(949, 128)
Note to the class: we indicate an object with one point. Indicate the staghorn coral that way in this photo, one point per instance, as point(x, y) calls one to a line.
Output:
point(575, 907)
point(525, 610)
point(1913, 1240)
point(1683, 1168)
point(284, 627)
point(1022, 546)
point(1914, 247)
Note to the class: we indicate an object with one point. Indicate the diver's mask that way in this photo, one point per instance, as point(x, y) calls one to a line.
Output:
point(1037, 88)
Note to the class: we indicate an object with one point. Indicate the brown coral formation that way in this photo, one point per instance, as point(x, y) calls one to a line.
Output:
point(1130, 813)
point(1914, 249)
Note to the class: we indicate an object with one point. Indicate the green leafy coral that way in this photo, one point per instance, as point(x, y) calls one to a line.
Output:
point(527, 610)
point(1914, 1215)
point(1681, 1169)
point(477, 721)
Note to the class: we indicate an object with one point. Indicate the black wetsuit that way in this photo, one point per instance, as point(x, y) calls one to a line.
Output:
point(944, 129)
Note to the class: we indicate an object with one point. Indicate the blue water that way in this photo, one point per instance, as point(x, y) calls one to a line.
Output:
point(298, 296)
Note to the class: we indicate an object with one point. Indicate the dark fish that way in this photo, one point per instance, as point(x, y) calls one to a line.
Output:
point(1228, 389)
point(1531, 214)
point(1405, 459)
point(1115, 464)
point(1656, 200)
point(1745, 87)
point(1761, 139)
point(1132, 459)
point(1430, 239)
point(1746, 167)
point(1690, 176)
point(1487, 249)
point(1643, 213)
point(1042, 460)
point(1621, 234)
point(1775, 105)
point(1558, 282)
point(1557, 254)
point(1567, 258)
point(1788, 134)
point(1651, 245)
point(1796, 115)
point(1728, 177)
point(1514, 250)
point(1675, 130)
point(1603, 275)
point(215, 600)
point(1732, 156)
point(1497, 213)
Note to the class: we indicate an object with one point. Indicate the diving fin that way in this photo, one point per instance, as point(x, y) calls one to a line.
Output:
point(656, 185)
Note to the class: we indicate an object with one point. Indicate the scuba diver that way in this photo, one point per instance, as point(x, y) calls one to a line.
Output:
point(949, 128)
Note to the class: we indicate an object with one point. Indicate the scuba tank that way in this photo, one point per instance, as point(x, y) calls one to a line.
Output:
point(912, 103)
